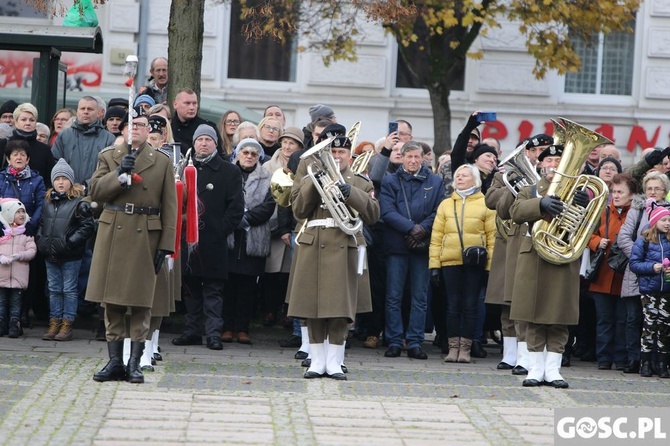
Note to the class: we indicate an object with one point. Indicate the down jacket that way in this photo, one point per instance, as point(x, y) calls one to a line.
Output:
point(29, 190)
point(477, 222)
point(626, 239)
point(15, 275)
point(644, 256)
point(65, 228)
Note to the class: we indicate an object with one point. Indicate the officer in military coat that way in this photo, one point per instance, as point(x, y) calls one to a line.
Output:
point(545, 295)
point(136, 230)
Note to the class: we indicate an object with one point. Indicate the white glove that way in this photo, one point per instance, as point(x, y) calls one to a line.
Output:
point(16, 257)
point(4, 260)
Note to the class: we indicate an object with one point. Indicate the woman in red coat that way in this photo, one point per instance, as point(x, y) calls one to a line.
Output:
point(606, 287)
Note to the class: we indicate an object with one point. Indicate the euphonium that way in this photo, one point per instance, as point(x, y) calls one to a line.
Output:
point(360, 164)
point(564, 238)
point(517, 166)
point(325, 174)
point(281, 183)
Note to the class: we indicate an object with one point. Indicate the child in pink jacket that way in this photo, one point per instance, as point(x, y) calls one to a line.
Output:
point(16, 250)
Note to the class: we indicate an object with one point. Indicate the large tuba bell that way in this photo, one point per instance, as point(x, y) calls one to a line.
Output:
point(325, 174)
point(564, 238)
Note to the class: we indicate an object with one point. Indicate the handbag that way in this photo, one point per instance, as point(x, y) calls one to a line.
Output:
point(599, 256)
point(472, 255)
point(596, 261)
point(413, 245)
point(617, 260)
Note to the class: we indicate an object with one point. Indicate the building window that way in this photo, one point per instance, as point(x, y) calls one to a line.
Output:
point(22, 9)
point(265, 59)
point(607, 65)
point(404, 78)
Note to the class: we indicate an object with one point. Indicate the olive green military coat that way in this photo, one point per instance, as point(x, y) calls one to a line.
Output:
point(122, 269)
point(324, 282)
point(500, 199)
point(544, 293)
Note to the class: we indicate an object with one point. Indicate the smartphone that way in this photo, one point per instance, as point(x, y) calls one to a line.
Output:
point(487, 117)
point(393, 127)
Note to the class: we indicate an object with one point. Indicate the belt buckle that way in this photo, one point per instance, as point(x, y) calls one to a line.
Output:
point(129, 208)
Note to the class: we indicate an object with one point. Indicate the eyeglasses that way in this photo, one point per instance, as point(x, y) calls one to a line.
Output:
point(609, 169)
point(272, 129)
point(248, 153)
point(654, 189)
point(231, 122)
point(139, 125)
point(404, 133)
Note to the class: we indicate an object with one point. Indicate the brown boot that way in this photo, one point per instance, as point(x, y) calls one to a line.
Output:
point(65, 332)
point(54, 328)
point(453, 350)
point(464, 350)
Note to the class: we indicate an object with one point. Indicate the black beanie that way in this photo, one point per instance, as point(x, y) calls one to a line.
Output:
point(479, 150)
point(609, 159)
point(8, 107)
point(114, 112)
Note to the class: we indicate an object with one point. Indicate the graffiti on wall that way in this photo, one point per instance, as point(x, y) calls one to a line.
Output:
point(84, 71)
point(635, 136)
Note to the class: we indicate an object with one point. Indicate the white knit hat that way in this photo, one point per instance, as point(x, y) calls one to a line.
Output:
point(8, 209)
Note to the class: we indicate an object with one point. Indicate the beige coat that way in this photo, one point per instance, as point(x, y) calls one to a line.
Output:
point(544, 293)
point(324, 282)
point(122, 270)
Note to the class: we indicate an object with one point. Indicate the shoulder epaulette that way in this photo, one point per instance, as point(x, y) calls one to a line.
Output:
point(108, 148)
point(360, 175)
point(164, 151)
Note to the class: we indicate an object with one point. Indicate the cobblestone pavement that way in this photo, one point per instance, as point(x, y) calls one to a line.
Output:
point(256, 395)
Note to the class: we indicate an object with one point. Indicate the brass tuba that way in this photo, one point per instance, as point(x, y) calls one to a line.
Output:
point(564, 238)
point(325, 174)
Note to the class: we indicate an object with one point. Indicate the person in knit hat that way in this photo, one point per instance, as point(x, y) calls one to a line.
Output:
point(66, 225)
point(113, 117)
point(607, 169)
point(205, 130)
point(7, 112)
point(145, 102)
point(62, 169)
point(16, 250)
point(321, 111)
point(649, 260)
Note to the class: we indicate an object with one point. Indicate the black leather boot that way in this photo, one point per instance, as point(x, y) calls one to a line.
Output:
point(632, 367)
point(476, 350)
point(663, 366)
point(135, 375)
point(645, 367)
point(114, 370)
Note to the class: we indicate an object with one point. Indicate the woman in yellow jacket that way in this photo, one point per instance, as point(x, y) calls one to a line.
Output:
point(462, 221)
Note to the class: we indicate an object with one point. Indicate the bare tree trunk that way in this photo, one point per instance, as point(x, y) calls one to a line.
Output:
point(185, 36)
point(439, 101)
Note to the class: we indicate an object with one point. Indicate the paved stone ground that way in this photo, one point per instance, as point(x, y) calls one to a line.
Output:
point(256, 395)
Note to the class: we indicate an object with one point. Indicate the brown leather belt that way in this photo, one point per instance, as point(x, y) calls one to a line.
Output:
point(130, 208)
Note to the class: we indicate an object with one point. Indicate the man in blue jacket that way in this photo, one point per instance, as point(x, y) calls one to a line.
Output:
point(409, 201)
